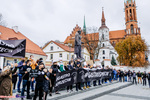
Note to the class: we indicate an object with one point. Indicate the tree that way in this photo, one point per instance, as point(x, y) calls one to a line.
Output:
point(132, 51)
point(113, 61)
point(2, 22)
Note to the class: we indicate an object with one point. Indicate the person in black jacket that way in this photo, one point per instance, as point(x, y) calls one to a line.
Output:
point(129, 76)
point(67, 68)
point(55, 70)
point(139, 75)
point(144, 78)
point(148, 77)
point(14, 80)
point(39, 82)
point(25, 71)
point(46, 83)
point(78, 85)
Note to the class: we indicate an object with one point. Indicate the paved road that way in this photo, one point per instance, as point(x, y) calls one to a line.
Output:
point(134, 92)
point(115, 91)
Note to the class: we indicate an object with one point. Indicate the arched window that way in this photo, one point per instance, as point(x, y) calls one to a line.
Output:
point(132, 29)
point(130, 14)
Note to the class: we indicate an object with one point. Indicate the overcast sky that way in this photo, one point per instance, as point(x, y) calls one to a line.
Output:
point(45, 20)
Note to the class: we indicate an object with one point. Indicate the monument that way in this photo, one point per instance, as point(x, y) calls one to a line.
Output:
point(78, 45)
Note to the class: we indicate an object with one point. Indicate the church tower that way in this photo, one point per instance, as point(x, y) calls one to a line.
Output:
point(131, 18)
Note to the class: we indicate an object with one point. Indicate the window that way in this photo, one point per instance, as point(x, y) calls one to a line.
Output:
point(67, 57)
point(103, 57)
point(51, 48)
point(60, 55)
point(51, 56)
point(132, 29)
point(72, 56)
point(103, 45)
point(103, 52)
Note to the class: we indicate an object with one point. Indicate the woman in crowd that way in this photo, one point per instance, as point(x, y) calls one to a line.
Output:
point(14, 80)
point(6, 80)
point(125, 76)
point(67, 68)
point(55, 70)
point(46, 84)
point(148, 77)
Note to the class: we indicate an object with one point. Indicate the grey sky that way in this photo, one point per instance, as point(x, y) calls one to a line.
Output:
point(45, 20)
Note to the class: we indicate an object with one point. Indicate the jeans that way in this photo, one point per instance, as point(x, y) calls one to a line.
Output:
point(19, 81)
point(38, 90)
point(24, 84)
point(134, 80)
point(88, 83)
point(144, 81)
point(125, 78)
point(32, 84)
point(149, 83)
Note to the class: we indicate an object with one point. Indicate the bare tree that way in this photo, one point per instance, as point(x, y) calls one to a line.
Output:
point(2, 22)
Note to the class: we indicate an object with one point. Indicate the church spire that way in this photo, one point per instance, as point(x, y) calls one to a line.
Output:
point(84, 26)
point(103, 18)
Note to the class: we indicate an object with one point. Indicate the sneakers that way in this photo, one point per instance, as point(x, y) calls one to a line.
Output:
point(87, 87)
point(84, 87)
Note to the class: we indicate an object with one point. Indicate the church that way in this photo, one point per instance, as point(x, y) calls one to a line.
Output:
point(101, 44)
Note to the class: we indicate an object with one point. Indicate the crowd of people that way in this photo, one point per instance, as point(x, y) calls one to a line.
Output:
point(42, 84)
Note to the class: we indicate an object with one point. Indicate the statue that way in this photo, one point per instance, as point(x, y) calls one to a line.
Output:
point(77, 49)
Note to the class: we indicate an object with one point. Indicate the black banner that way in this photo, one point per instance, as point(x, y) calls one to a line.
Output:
point(12, 48)
point(81, 75)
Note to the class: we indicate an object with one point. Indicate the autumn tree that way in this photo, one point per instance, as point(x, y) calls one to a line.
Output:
point(132, 52)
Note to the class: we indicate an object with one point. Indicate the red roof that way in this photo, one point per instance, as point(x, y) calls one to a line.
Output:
point(117, 34)
point(66, 48)
point(31, 47)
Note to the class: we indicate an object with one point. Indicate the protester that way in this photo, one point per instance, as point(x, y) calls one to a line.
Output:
point(55, 70)
point(67, 68)
point(33, 66)
point(94, 68)
point(19, 74)
point(134, 77)
point(25, 71)
point(144, 78)
point(129, 76)
point(148, 77)
point(77, 67)
point(14, 80)
point(125, 76)
point(6, 80)
point(61, 65)
point(139, 75)
point(46, 83)
point(39, 82)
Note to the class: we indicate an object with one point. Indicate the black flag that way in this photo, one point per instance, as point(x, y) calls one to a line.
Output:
point(13, 48)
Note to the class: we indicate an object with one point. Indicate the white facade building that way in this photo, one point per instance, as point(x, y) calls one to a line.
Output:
point(106, 50)
point(56, 51)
